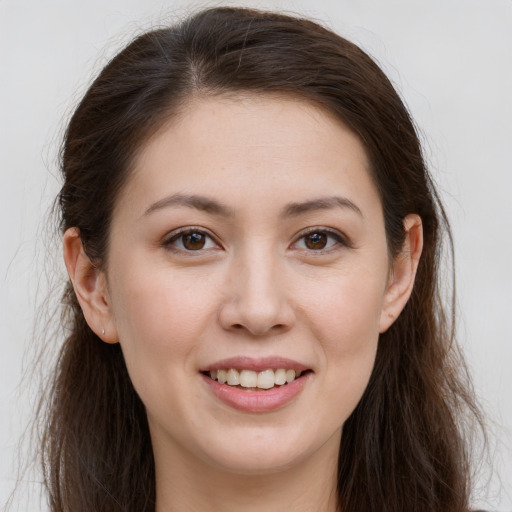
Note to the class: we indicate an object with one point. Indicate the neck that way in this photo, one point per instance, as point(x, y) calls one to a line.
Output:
point(189, 485)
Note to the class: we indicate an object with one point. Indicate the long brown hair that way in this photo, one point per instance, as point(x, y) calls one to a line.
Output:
point(402, 448)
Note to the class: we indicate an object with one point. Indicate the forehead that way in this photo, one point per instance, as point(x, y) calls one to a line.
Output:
point(251, 147)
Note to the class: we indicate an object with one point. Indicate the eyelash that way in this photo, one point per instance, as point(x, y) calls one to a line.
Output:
point(169, 243)
point(340, 240)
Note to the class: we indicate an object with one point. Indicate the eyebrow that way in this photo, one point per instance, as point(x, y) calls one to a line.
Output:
point(322, 203)
point(201, 203)
point(208, 205)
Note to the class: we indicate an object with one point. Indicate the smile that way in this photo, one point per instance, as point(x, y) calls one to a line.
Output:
point(250, 379)
point(256, 385)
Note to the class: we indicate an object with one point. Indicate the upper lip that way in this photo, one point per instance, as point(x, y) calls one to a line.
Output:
point(255, 364)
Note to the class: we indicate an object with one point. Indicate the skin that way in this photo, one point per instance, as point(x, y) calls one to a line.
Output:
point(255, 289)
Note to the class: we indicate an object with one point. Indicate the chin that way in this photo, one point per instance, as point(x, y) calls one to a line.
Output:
point(265, 451)
point(259, 462)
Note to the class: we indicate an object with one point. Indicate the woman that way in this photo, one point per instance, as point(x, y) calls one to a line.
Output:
point(253, 241)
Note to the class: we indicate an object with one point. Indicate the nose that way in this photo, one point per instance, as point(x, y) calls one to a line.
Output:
point(256, 299)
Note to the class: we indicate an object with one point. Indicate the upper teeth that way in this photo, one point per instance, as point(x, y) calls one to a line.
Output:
point(265, 379)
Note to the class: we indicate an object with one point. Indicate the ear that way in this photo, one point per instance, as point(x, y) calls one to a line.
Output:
point(403, 272)
point(90, 287)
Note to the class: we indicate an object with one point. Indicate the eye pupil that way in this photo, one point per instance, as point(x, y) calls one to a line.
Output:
point(194, 241)
point(316, 241)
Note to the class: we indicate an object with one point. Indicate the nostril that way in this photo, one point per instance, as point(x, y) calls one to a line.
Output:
point(274, 328)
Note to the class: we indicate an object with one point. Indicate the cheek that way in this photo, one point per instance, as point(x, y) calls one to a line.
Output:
point(351, 333)
point(156, 301)
point(345, 318)
point(346, 309)
point(160, 318)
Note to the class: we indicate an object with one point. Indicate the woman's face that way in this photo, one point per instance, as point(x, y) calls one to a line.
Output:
point(249, 240)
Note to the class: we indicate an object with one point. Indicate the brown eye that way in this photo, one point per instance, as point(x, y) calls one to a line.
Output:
point(194, 241)
point(316, 241)
point(320, 240)
point(191, 240)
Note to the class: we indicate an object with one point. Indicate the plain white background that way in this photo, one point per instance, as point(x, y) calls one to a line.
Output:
point(450, 59)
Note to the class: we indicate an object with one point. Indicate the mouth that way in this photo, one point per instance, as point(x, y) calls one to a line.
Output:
point(251, 380)
point(257, 385)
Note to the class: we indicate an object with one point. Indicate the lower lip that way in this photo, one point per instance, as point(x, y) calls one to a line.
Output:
point(257, 401)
